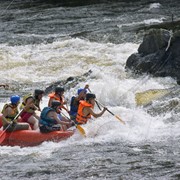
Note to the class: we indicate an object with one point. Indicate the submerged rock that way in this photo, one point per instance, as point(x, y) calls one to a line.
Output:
point(68, 83)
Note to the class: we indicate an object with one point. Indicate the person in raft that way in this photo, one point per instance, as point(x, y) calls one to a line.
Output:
point(75, 101)
point(10, 111)
point(58, 95)
point(85, 109)
point(49, 120)
point(38, 94)
point(28, 114)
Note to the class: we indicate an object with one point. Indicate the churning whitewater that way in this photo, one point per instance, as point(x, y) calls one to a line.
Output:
point(42, 42)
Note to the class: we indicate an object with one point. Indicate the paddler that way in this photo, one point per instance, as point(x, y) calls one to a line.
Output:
point(10, 111)
point(85, 109)
point(49, 120)
point(75, 101)
point(38, 94)
point(28, 115)
point(58, 95)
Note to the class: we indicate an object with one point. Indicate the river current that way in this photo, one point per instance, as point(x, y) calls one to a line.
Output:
point(42, 42)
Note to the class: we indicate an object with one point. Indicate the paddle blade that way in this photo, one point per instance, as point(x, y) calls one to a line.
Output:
point(120, 119)
point(81, 130)
point(146, 97)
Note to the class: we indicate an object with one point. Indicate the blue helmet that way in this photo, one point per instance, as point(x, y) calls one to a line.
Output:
point(81, 89)
point(15, 99)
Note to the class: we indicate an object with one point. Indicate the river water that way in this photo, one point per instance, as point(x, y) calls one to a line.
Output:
point(43, 42)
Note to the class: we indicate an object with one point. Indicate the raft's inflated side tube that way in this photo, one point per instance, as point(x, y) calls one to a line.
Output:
point(1, 120)
point(25, 138)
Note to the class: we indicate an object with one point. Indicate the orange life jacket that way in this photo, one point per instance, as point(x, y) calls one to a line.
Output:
point(55, 97)
point(81, 118)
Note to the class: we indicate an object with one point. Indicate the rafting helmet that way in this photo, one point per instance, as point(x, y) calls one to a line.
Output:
point(80, 90)
point(90, 96)
point(55, 104)
point(59, 89)
point(15, 99)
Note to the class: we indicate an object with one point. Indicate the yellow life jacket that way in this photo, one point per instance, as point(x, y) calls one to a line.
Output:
point(13, 114)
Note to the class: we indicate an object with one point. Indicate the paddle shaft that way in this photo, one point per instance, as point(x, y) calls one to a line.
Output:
point(81, 130)
point(96, 101)
point(113, 114)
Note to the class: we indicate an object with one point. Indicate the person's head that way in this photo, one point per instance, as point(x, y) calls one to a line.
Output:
point(55, 104)
point(15, 99)
point(90, 98)
point(38, 94)
point(59, 90)
point(82, 92)
point(28, 97)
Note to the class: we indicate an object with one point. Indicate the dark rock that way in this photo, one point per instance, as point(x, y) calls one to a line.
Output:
point(159, 55)
point(168, 25)
point(154, 41)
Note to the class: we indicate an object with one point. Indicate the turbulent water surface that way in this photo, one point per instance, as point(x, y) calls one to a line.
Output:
point(42, 42)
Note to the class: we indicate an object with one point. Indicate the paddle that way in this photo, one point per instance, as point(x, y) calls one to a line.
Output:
point(146, 97)
point(113, 114)
point(81, 130)
point(3, 135)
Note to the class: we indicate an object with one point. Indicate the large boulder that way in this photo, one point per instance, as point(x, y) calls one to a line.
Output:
point(159, 54)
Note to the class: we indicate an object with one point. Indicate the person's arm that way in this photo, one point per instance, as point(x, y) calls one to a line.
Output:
point(83, 91)
point(30, 104)
point(64, 103)
point(96, 115)
point(59, 121)
point(49, 102)
point(4, 120)
point(7, 112)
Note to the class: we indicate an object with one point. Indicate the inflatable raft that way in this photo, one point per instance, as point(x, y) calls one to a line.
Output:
point(25, 138)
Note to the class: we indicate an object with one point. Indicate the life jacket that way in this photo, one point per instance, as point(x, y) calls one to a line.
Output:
point(11, 116)
point(73, 107)
point(44, 120)
point(55, 97)
point(81, 118)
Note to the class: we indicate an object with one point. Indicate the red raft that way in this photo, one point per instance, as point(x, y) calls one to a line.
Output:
point(25, 138)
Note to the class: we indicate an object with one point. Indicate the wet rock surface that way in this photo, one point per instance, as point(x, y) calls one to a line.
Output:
point(158, 55)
